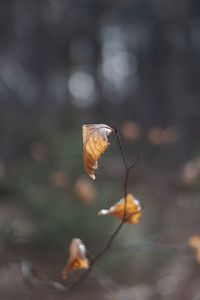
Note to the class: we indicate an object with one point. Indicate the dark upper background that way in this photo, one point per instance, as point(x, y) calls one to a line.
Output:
point(94, 61)
point(134, 64)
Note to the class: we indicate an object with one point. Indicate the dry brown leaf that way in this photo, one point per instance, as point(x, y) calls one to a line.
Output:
point(133, 210)
point(194, 242)
point(95, 142)
point(77, 258)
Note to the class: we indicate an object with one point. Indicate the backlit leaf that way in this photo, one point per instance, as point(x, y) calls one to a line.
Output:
point(77, 258)
point(95, 142)
point(133, 210)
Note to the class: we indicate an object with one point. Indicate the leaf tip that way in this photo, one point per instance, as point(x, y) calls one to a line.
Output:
point(103, 212)
point(93, 176)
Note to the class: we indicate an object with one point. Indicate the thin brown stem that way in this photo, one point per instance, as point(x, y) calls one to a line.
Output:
point(127, 168)
point(125, 216)
point(122, 153)
point(98, 256)
point(121, 148)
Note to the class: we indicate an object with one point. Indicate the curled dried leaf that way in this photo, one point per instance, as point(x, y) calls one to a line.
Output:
point(194, 242)
point(95, 142)
point(133, 210)
point(77, 258)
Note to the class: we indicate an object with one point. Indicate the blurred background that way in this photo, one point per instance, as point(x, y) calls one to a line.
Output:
point(134, 64)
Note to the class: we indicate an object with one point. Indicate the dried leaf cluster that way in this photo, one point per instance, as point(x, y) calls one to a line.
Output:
point(128, 209)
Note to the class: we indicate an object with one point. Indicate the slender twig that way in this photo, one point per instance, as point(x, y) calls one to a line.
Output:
point(125, 216)
point(121, 148)
point(127, 168)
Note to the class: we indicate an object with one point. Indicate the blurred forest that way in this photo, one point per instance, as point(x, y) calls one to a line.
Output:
point(134, 64)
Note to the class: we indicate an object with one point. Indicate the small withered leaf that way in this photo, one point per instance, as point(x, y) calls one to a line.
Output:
point(77, 258)
point(95, 142)
point(133, 210)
